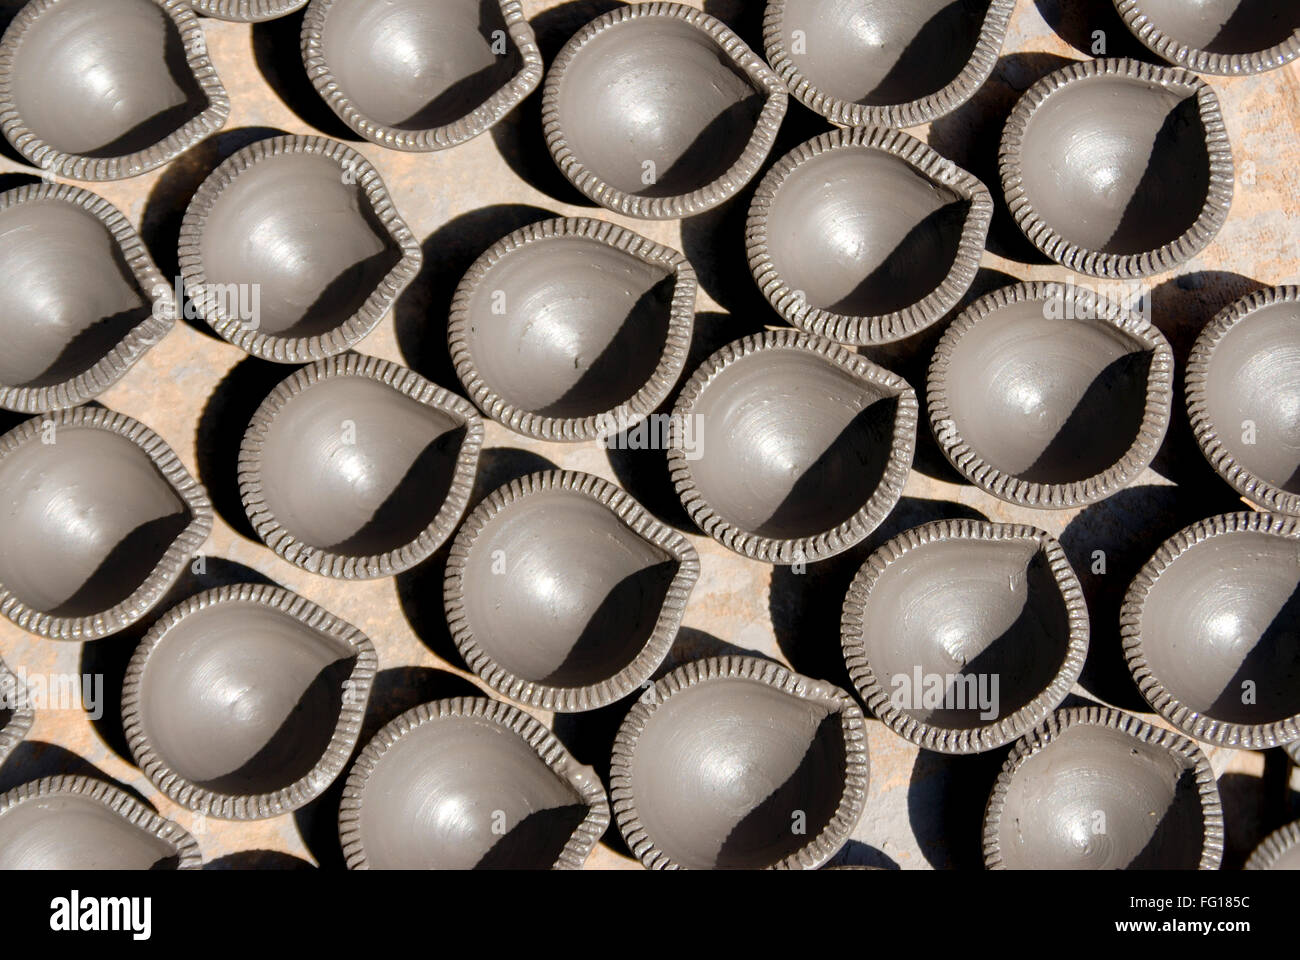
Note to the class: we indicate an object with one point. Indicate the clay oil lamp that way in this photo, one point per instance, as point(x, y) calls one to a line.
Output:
point(961, 636)
point(98, 520)
point(866, 236)
point(1243, 397)
point(897, 63)
point(1211, 630)
point(414, 75)
point(738, 763)
point(564, 593)
point(786, 447)
point(659, 111)
point(572, 329)
point(292, 249)
point(469, 783)
point(80, 300)
point(80, 823)
point(245, 702)
point(1096, 789)
point(358, 468)
point(1280, 850)
point(107, 89)
point(1117, 168)
point(1046, 395)
point(1229, 37)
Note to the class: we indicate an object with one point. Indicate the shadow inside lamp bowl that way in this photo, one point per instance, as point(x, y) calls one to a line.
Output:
point(715, 763)
point(866, 236)
point(411, 75)
point(357, 468)
point(246, 11)
point(1243, 397)
point(658, 110)
point(292, 249)
point(572, 329)
point(1118, 168)
point(469, 783)
point(16, 716)
point(1097, 789)
point(961, 636)
point(107, 89)
point(80, 823)
point(787, 447)
point(1229, 37)
point(1280, 850)
point(98, 520)
point(1211, 630)
point(563, 593)
point(245, 702)
point(891, 63)
point(80, 299)
point(1046, 395)
point(1293, 751)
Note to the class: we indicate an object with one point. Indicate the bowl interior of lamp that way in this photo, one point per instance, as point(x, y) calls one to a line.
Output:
point(721, 769)
point(352, 466)
point(243, 699)
point(655, 108)
point(291, 248)
point(411, 65)
point(1221, 628)
point(86, 519)
point(1117, 165)
point(569, 326)
point(462, 793)
point(1096, 798)
point(1046, 399)
point(791, 444)
point(104, 78)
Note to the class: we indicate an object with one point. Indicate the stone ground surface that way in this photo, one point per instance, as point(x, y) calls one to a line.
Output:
point(924, 809)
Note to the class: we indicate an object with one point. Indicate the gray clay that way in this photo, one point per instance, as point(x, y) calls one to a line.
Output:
point(1243, 391)
point(418, 76)
point(356, 467)
point(715, 764)
point(582, 639)
point(1118, 168)
point(246, 11)
point(1097, 790)
point(801, 447)
point(16, 716)
point(83, 556)
point(245, 701)
point(1211, 629)
point(644, 104)
point(569, 329)
point(76, 823)
point(865, 236)
point(993, 605)
point(1230, 37)
point(103, 89)
point(95, 524)
point(1048, 396)
point(291, 249)
point(80, 299)
point(265, 223)
point(469, 784)
point(888, 62)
